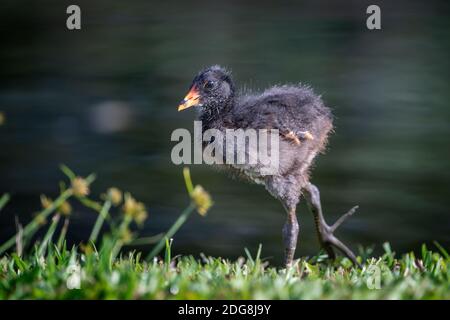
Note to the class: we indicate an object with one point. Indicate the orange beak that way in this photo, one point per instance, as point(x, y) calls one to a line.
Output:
point(191, 99)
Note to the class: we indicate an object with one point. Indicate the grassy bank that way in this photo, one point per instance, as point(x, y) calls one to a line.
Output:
point(103, 268)
point(59, 274)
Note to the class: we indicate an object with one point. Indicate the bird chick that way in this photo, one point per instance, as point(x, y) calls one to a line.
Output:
point(304, 123)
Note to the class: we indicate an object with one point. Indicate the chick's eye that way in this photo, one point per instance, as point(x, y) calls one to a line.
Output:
point(208, 85)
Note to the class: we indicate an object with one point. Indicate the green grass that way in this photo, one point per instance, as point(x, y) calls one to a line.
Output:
point(103, 269)
point(128, 277)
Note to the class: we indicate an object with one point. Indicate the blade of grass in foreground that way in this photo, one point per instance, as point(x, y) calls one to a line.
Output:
point(168, 255)
point(169, 234)
point(442, 250)
point(100, 219)
point(4, 200)
point(146, 240)
point(181, 219)
point(49, 235)
point(62, 235)
point(33, 226)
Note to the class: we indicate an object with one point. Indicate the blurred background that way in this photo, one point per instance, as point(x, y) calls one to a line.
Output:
point(103, 99)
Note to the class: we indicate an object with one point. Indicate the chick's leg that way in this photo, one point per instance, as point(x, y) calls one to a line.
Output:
point(325, 232)
point(290, 235)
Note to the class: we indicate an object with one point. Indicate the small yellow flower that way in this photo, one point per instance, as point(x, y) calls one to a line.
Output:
point(80, 187)
point(140, 217)
point(115, 195)
point(130, 205)
point(126, 235)
point(87, 249)
point(202, 200)
point(134, 209)
point(40, 220)
point(2, 118)
point(65, 208)
point(46, 202)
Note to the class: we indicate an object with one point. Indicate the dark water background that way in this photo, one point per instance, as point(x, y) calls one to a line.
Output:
point(104, 99)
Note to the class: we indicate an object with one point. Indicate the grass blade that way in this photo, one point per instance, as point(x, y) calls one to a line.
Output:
point(34, 224)
point(62, 235)
point(49, 235)
point(188, 180)
point(68, 172)
point(146, 240)
point(442, 250)
point(249, 256)
point(4, 200)
point(168, 253)
point(99, 222)
point(173, 229)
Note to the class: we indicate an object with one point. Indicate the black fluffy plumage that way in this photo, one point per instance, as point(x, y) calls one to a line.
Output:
point(304, 123)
